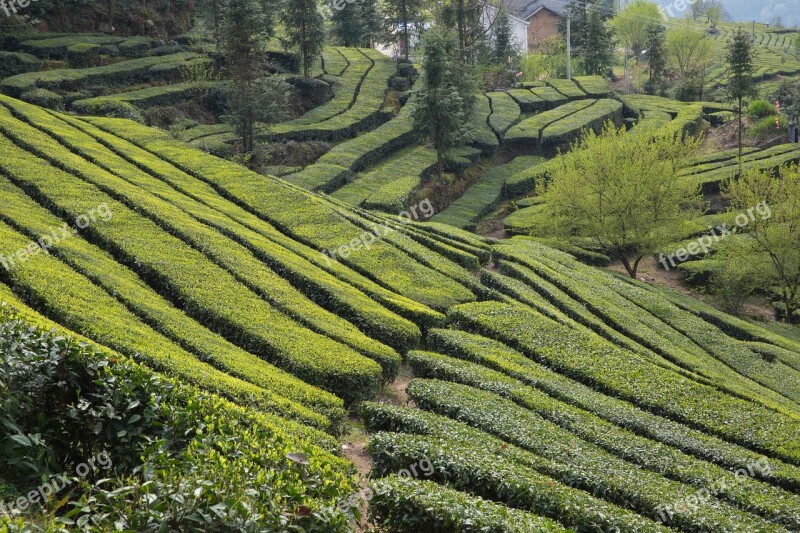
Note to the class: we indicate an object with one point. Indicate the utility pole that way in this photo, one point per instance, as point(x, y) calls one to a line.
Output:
point(569, 46)
point(754, 31)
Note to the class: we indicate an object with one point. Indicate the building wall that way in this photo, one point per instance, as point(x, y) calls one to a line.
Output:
point(518, 26)
point(543, 25)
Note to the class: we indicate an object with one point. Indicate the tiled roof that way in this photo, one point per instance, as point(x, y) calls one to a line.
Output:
point(525, 8)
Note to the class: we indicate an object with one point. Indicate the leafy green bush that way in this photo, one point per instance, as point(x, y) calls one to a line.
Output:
point(592, 360)
point(761, 109)
point(13, 63)
point(165, 449)
point(768, 126)
point(107, 107)
point(83, 55)
point(43, 98)
point(394, 197)
point(408, 505)
point(505, 112)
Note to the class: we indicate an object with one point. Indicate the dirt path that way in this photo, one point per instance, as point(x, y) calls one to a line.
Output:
point(356, 440)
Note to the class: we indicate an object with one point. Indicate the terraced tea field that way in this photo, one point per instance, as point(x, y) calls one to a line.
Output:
point(544, 394)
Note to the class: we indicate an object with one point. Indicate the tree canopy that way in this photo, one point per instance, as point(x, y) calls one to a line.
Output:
point(620, 190)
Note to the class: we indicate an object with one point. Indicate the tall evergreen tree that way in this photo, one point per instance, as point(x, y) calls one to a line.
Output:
point(592, 39)
point(504, 45)
point(656, 46)
point(305, 30)
point(446, 99)
point(247, 27)
point(405, 13)
point(740, 57)
point(598, 54)
point(346, 25)
point(358, 24)
point(467, 17)
point(210, 12)
point(372, 21)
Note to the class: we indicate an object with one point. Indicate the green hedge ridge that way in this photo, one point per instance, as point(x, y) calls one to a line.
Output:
point(410, 505)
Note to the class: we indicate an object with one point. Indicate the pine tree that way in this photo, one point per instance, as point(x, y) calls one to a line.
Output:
point(346, 25)
point(740, 58)
point(466, 16)
point(592, 39)
point(406, 13)
point(358, 24)
point(446, 99)
point(504, 45)
point(247, 27)
point(598, 54)
point(371, 20)
point(656, 46)
point(305, 30)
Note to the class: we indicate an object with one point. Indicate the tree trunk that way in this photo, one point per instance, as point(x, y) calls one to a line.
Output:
point(632, 269)
point(405, 30)
point(741, 164)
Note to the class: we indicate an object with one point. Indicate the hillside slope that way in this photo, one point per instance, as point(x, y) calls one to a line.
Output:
point(579, 399)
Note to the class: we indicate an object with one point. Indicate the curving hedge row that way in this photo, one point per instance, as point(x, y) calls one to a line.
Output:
point(524, 182)
point(595, 361)
point(594, 86)
point(316, 222)
point(345, 91)
point(281, 254)
point(12, 63)
point(132, 72)
point(482, 136)
point(30, 218)
point(567, 130)
point(209, 172)
point(410, 505)
point(568, 88)
point(689, 121)
point(194, 283)
point(72, 300)
point(585, 466)
point(58, 47)
point(612, 444)
point(711, 175)
point(485, 195)
point(365, 112)
point(529, 131)
point(484, 468)
point(169, 209)
point(419, 162)
point(527, 101)
point(165, 95)
point(352, 156)
point(505, 113)
point(733, 326)
point(394, 197)
point(497, 356)
point(697, 360)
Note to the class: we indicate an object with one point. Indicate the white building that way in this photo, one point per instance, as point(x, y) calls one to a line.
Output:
point(519, 28)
